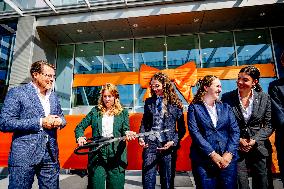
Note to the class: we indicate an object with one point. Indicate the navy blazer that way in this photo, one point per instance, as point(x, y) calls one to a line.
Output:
point(206, 138)
point(276, 91)
point(174, 117)
point(21, 115)
point(258, 126)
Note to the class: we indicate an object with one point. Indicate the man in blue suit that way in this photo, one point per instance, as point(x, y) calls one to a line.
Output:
point(33, 113)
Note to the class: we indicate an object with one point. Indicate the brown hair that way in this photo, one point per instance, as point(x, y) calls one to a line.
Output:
point(205, 82)
point(116, 108)
point(254, 73)
point(169, 93)
point(37, 66)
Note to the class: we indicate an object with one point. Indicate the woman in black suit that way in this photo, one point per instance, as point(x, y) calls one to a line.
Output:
point(252, 109)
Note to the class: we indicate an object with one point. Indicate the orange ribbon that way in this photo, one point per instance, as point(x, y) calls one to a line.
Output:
point(184, 77)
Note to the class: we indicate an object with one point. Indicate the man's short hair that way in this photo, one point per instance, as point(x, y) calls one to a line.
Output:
point(38, 66)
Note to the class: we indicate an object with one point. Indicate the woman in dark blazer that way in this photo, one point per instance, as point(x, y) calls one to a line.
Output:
point(215, 137)
point(109, 119)
point(252, 109)
point(161, 111)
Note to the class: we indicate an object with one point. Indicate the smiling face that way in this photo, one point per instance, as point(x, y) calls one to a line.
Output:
point(214, 90)
point(45, 79)
point(108, 99)
point(245, 82)
point(157, 87)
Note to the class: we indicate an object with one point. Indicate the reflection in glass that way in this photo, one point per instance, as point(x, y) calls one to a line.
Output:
point(87, 96)
point(151, 52)
point(7, 41)
point(182, 49)
point(253, 47)
point(88, 58)
point(5, 7)
point(59, 3)
point(217, 50)
point(118, 56)
point(64, 75)
point(30, 4)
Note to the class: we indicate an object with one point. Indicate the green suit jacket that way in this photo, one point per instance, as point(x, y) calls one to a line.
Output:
point(120, 125)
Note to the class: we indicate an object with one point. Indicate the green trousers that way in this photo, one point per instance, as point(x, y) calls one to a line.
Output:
point(105, 171)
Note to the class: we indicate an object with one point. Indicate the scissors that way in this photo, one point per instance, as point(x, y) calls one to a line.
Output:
point(97, 143)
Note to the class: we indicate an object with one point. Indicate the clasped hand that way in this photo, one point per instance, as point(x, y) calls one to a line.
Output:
point(221, 161)
point(165, 147)
point(51, 121)
point(246, 144)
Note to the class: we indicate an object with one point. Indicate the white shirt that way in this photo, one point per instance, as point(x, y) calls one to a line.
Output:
point(212, 110)
point(107, 125)
point(44, 100)
point(247, 111)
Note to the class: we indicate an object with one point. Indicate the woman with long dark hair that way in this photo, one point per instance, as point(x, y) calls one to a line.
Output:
point(252, 109)
point(163, 110)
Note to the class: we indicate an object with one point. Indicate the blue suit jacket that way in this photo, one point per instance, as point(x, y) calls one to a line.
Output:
point(174, 117)
point(206, 138)
point(21, 115)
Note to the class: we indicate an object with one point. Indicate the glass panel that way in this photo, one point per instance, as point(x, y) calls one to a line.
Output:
point(88, 58)
point(151, 52)
point(59, 3)
point(139, 98)
point(182, 49)
point(7, 39)
point(64, 75)
point(30, 4)
point(253, 47)
point(5, 7)
point(89, 96)
point(86, 96)
point(217, 50)
point(126, 95)
point(118, 56)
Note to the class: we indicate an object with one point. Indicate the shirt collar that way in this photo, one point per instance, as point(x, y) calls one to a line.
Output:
point(47, 94)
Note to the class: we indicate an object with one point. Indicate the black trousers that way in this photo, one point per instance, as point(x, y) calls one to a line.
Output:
point(256, 164)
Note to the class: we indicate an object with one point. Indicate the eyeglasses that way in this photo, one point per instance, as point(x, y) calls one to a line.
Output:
point(49, 75)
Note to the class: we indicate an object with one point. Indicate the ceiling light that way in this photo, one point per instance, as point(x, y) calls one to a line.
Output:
point(262, 14)
point(135, 25)
point(81, 50)
point(79, 31)
point(122, 47)
point(259, 37)
point(247, 50)
point(93, 61)
point(211, 40)
point(204, 53)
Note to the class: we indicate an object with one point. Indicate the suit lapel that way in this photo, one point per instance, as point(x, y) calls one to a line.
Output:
point(205, 115)
point(237, 106)
point(255, 107)
point(35, 99)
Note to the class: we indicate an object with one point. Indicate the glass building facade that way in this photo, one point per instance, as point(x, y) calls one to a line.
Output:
point(207, 50)
point(7, 39)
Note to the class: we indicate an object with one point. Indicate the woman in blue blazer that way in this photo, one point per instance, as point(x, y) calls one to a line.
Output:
point(161, 111)
point(215, 137)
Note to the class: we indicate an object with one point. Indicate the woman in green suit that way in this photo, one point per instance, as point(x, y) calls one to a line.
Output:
point(108, 119)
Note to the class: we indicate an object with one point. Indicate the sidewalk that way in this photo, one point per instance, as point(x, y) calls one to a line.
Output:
point(78, 180)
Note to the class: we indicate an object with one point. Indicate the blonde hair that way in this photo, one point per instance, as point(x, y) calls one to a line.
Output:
point(116, 107)
point(205, 82)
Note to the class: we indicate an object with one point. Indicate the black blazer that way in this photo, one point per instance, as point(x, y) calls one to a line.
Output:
point(258, 126)
point(174, 117)
point(276, 91)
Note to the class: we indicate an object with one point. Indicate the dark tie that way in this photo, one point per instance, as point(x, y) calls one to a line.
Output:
point(159, 103)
